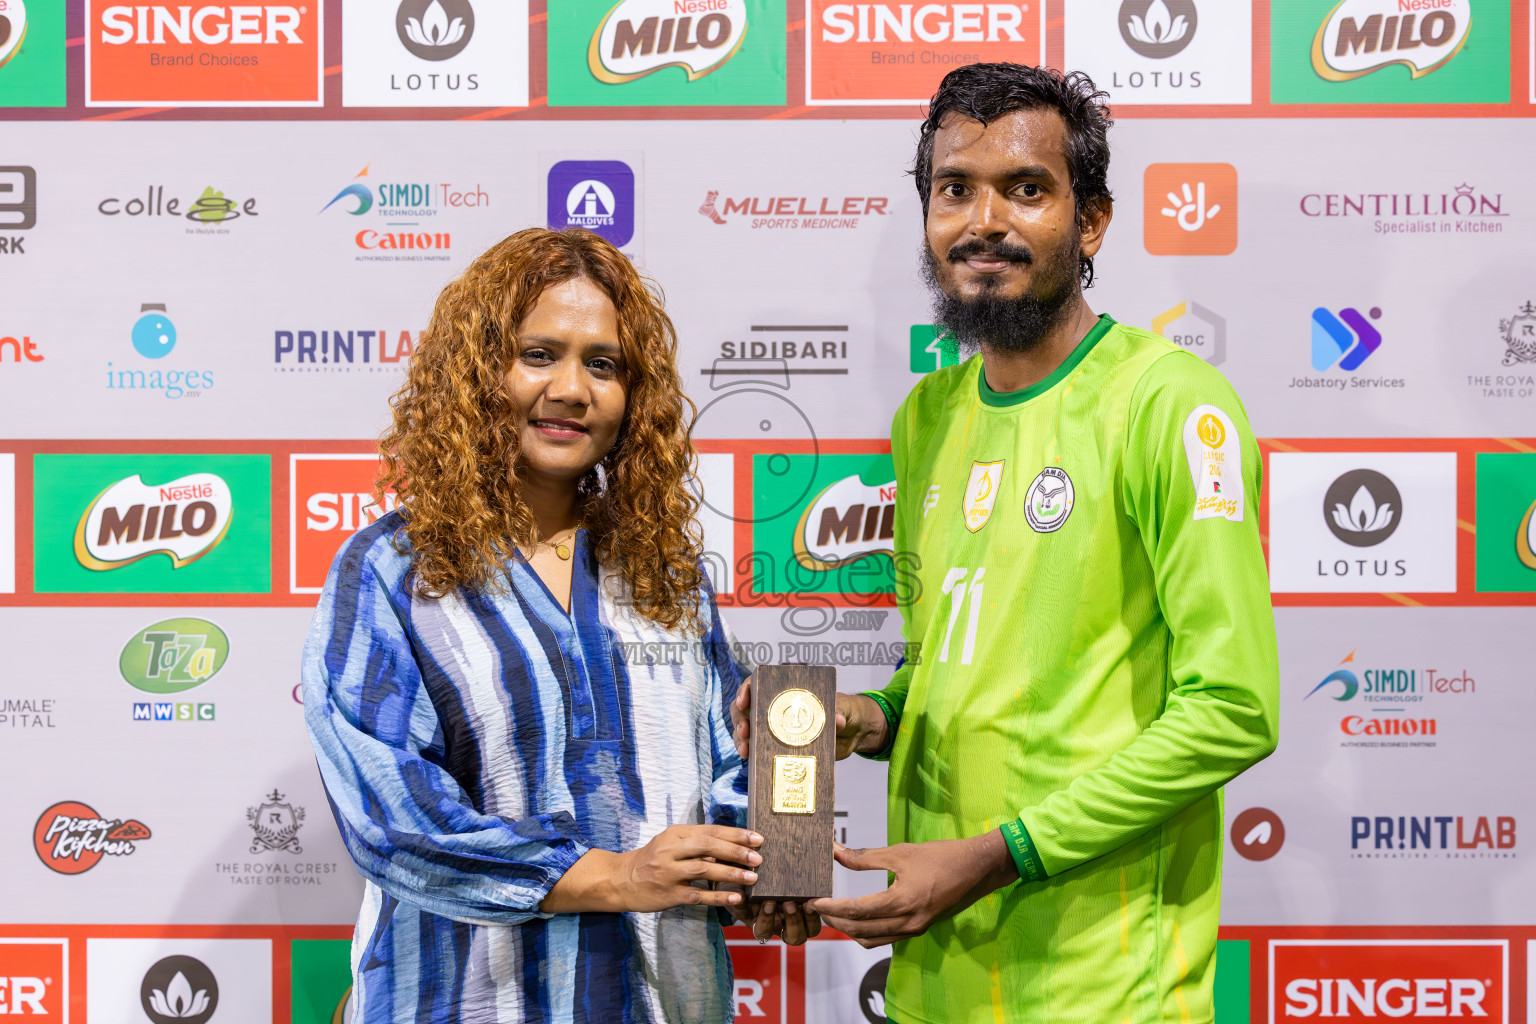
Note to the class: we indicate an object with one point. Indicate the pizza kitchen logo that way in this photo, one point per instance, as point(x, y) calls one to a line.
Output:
point(183, 519)
point(71, 838)
point(1359, 37)
point(640, 37)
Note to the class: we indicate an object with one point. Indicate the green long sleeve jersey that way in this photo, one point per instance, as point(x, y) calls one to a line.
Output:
point(1083, 576)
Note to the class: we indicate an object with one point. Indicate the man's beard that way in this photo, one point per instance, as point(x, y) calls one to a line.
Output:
point(1011, 325)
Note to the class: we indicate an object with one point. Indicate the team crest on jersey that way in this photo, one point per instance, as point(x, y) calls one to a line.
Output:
point(981, 493)
point(1211, 445)
point(1048, 501)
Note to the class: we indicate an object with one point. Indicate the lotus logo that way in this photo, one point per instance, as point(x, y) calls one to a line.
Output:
point(1158, 29)
point(1362, 508)
point(640, 37)
point(13, 29)
point(183, 519)
point(433, 31)
point(847, 521)
point(1361, 36)
point(179, 990)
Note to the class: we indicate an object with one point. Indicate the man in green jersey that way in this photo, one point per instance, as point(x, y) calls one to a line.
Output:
point(1097, 648)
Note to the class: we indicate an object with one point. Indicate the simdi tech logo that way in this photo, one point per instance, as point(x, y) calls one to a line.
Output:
point(34, 978)
point(152, 523)
point(332, 498)
point(418, 205)
point(31, 53)
point(1190, 209)
point(1390, 51)
point(895, 54)
point(204, 55)
point(667, 53)
point(435, 53)
point(1413, 979)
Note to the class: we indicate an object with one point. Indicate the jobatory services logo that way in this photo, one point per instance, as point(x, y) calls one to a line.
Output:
point(1432, 837)
point(1163, 51)
point(31, 53)
point(1194, 328)
point(667, 53)
point(1382, 522)
point(1257, 834)
point(417, 205)
point(1407, 979)
point(796, 212)
point(179, 990)
point(895, 54)
point(1342, 341)
point(1390, 51)
point(18, 207)
point(34, 979)
point(598, 195)
point(1462, 210)
point(209, 210)
point(71, 838)
point(1506, 522)
point(435, 53)
point(204, 55)
point(1190, 209)
point(332, 497)
point(152, 523)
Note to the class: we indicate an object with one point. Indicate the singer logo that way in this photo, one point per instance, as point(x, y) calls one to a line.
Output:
point(1358, 979)
point(34, 979)
point(1190, 209)
point(258, 54)
point(332, 498)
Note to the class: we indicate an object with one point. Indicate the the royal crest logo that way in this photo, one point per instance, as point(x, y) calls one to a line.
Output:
point(640, 37)
point(1361, 36)
point(275, 825)
point(1519, 334)
point(847, 521)
point(981, 493)
point(183, 519)
point(1048, 502)
point(71, 838)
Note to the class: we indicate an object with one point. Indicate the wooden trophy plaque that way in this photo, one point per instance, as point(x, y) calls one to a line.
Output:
point(789, 793)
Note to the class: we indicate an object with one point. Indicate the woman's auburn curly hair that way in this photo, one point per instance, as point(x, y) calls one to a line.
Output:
point(451, 452)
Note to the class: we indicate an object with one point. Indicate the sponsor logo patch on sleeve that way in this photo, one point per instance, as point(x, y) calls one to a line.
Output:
point(1215, 464)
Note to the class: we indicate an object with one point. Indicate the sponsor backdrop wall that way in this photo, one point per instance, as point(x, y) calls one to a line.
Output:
point(222, 229)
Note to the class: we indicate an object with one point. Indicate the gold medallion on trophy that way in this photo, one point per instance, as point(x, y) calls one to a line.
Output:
point(796, 717)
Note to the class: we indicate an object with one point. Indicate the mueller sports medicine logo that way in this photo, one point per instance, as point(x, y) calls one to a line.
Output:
point(416, 205)
point(640, 37)
point(130, 520)
point(1361, 36)
point(1382, 979)
point(795, 212)
point(34, 978)
point(848, 521)
point(886, 54)
point(71, 838)
point(258, 54)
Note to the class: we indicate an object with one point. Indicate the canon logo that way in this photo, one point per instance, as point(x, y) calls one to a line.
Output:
point(240, 24)
point(930, 23)
point(1392, 997)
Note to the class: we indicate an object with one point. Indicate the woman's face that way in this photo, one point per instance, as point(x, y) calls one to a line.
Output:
point(567, 381)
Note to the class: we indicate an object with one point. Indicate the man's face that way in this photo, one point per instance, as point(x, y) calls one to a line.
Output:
point(1002, 220)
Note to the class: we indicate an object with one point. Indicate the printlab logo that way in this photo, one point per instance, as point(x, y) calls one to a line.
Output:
point(802, 213)
point(1158, 29)
point(598, 195)
point(1363, 508)
point(1363, 36)
point(403, 204)
point(872, 992)
point(18, 207)
point(179, 990)
point(1190, 209)
point(275, 824)
point(1395, 837)
point(1195, 328)
point(71, 838)
point(1257, 833)
point(329, 351)
point(435, 29)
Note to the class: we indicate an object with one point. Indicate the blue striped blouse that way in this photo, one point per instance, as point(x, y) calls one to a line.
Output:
point(474, 746)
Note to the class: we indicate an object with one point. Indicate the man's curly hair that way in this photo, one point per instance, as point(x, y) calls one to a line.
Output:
point(451, 452)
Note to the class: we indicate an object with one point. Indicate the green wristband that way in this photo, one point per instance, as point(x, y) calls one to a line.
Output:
point(891, 721)
point(1025, 856)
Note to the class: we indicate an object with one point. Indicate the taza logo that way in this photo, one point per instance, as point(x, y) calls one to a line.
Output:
point(640, 37)
point(1361, 36)
point(71, 838)
point(1158, 28)
point(1362, 508)
point(183, 519)
point(173, 655)
point(179, 990)
point(435, 29)
point(275, 824)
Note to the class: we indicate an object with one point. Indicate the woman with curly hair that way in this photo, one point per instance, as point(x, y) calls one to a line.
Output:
point(540, 816)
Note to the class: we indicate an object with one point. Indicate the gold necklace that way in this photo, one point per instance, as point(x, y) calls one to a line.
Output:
point(562, 549)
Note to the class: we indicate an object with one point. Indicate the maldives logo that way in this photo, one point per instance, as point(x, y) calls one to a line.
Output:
point(1345, 340)
point(640, 37)
point(71, 838)
point(598, 195)
point(1361, 36)
point(848, 521)
point(204, 55)
point(183, 519)
point(1413, 979)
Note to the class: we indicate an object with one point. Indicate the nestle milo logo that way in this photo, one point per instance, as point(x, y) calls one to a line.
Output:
point(639, 37)
point(174, 655)
point(130, 520)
